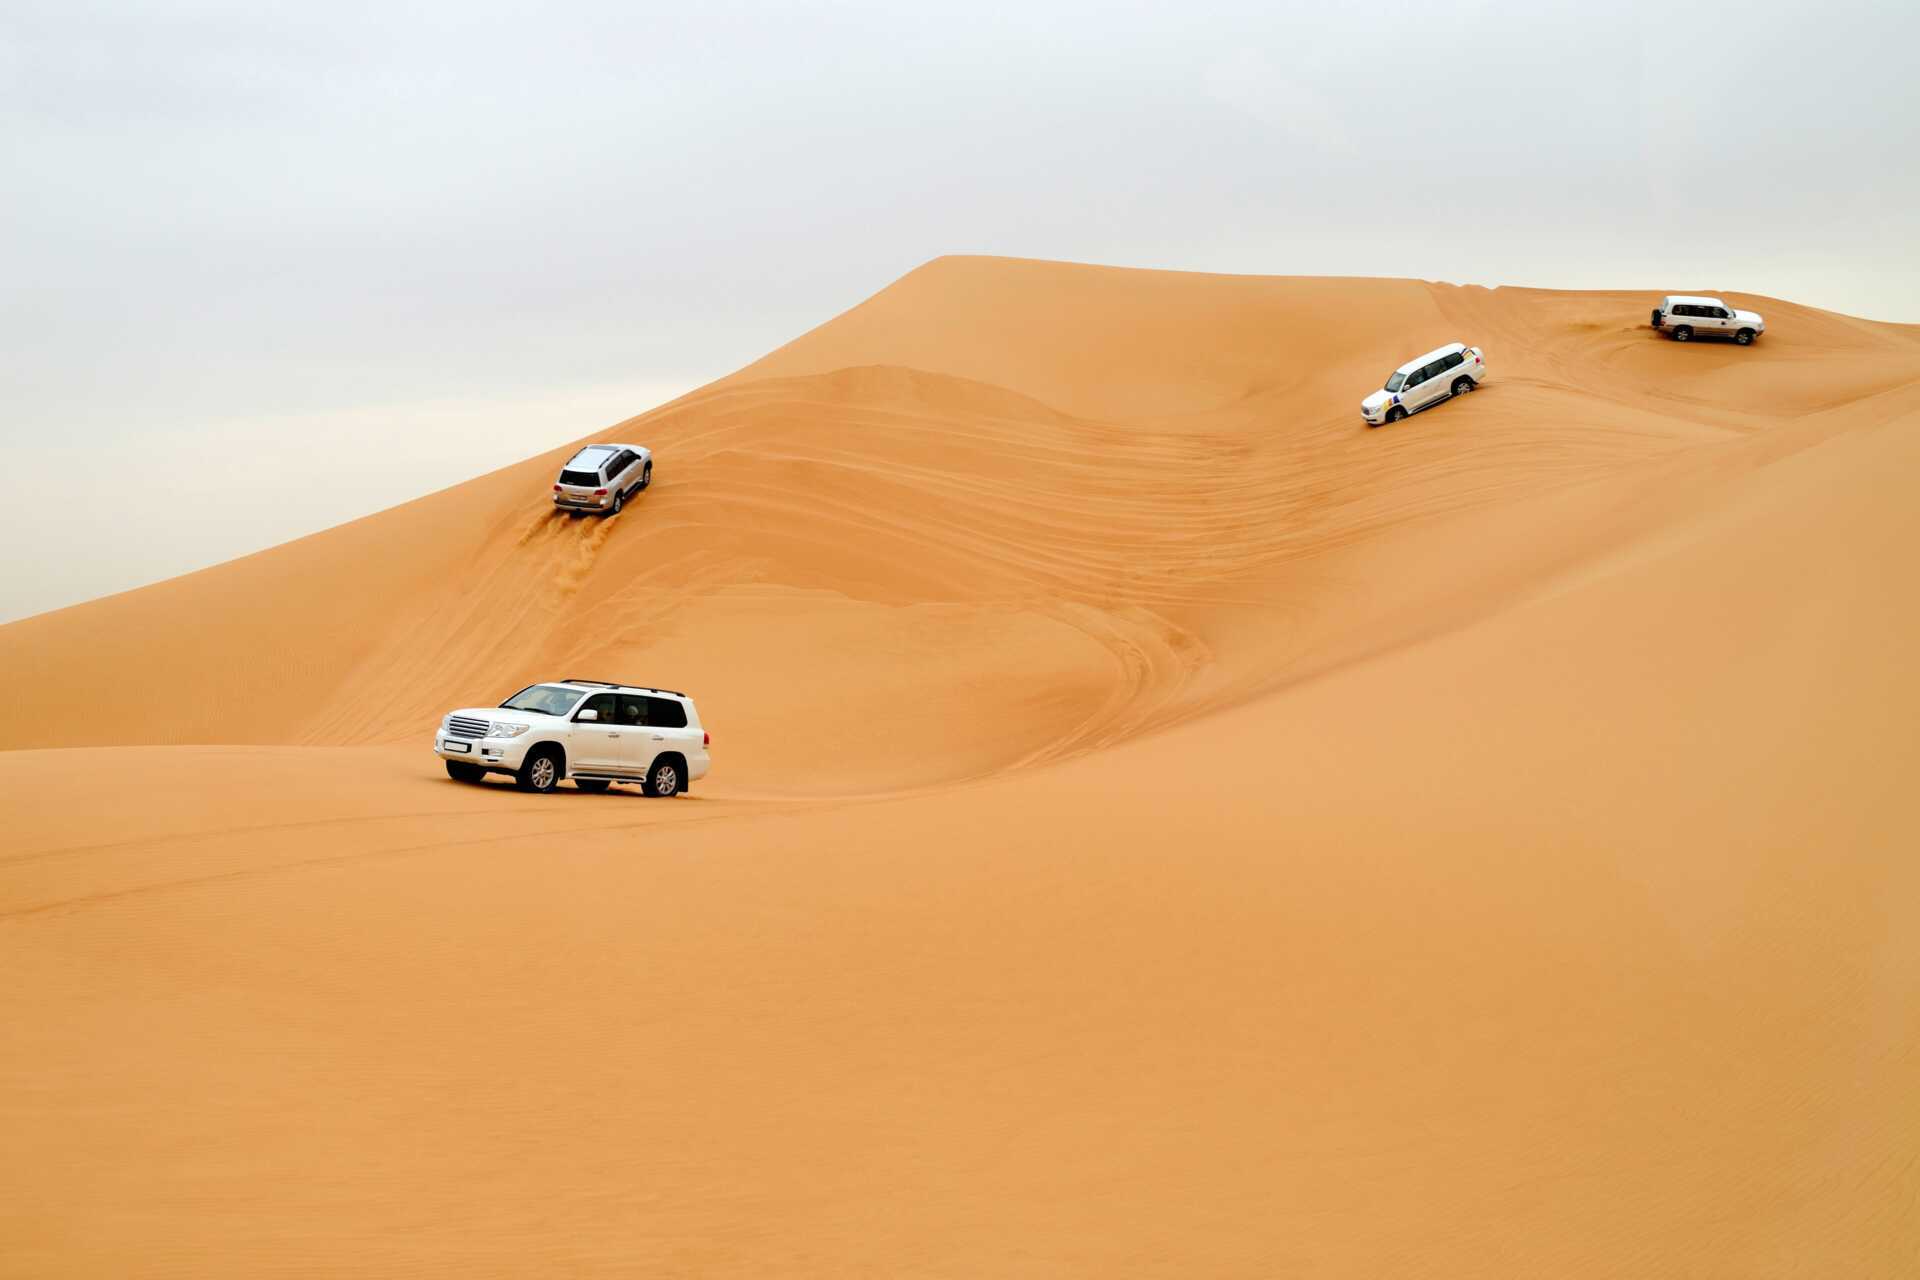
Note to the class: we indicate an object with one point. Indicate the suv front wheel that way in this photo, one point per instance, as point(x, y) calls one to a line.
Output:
point(1744, 337)
point(541, 772)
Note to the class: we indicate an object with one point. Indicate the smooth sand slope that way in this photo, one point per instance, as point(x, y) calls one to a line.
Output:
point(1159, 827)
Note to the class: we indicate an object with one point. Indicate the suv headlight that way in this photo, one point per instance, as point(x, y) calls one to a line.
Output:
point(509, 730)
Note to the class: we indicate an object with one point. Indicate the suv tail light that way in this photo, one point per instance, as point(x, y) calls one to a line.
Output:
point(556, 488)
point(706, 739)
point(599, 493)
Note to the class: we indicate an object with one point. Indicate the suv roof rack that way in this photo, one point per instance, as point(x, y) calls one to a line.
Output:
point(614, 684)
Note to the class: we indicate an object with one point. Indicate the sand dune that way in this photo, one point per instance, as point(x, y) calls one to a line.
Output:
point(1158, 826)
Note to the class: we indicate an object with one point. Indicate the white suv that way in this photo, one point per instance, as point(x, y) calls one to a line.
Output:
point(1687, 318)
point(601, 477)
point(592, 731)
point(1441, 374)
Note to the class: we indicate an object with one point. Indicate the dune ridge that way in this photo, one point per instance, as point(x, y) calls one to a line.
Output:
point(1112, 473)
point(1159, 827)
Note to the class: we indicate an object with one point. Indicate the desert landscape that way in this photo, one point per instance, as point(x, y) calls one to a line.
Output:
point(1158, 826)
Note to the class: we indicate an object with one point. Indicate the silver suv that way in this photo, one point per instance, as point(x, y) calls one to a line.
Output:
point(1685, 318)
point(601, 477)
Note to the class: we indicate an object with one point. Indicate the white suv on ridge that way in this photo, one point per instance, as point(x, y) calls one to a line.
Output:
point(592, 731)
point(1686, 318)
point(1441, 374)
point(601, 477)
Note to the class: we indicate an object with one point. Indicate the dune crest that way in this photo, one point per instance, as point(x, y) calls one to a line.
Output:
point(1127, 497)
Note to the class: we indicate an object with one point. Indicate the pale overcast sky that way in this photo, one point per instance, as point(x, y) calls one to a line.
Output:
point(271, 266)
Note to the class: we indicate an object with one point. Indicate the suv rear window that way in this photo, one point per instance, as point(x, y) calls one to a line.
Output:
point(586, 479)
point(665, 713)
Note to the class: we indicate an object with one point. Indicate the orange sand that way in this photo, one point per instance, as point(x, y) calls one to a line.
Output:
point(1158, 826)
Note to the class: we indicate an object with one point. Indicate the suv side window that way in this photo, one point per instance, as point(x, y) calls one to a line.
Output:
point(1454, 361)
point(621, 461)
point(665, 713)
point(601, 702)
point(632, 709)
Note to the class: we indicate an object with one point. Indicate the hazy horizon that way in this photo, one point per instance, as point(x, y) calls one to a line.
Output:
point(286, 268)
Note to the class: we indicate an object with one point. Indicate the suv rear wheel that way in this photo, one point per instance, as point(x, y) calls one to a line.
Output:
point(465, 772)
point(1683, 333)
point(619, 502)
point(1462, 385)
point(666, 778)
point(541, 772)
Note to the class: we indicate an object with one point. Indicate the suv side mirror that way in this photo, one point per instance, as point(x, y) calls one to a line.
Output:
point(587, 715)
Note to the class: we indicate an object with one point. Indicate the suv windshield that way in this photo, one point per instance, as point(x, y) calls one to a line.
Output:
point(547, 699)
point(1396, 382)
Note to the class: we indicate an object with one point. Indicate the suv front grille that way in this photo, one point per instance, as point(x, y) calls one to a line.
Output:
point(467, 727)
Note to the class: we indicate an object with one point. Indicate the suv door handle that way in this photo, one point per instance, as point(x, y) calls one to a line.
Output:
point(659, 737)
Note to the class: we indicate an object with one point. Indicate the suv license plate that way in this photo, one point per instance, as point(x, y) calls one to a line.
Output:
point(457, 746)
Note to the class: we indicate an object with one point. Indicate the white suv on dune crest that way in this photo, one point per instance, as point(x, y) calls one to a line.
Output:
point(1685, 318)
point(592, 731)
point(1424, 381)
